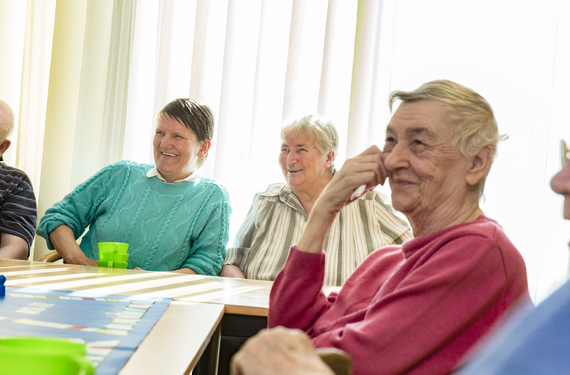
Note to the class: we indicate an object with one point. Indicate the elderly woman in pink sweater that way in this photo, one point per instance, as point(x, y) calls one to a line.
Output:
point(414, 308)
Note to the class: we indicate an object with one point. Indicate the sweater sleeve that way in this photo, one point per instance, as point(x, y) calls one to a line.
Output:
point(439, 307)
point(209, 245)
point(79, 208)
point(237, 255)
point(297, 298)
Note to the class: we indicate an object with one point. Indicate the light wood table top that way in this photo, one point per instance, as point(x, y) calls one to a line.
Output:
point(177, 341)
point(242, 297)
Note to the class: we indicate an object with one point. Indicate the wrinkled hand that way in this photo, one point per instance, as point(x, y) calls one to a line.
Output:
point(365, 169)
point(278, 351)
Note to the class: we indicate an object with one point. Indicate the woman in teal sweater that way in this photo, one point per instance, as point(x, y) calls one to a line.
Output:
point(172, 218)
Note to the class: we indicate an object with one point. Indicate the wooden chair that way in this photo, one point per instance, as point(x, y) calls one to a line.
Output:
point(338, 360)
point(50, 257)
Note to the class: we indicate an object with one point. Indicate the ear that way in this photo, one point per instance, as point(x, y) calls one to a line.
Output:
point(329, 159)
point(4, 146)
point(204, 148)
point(479, 164)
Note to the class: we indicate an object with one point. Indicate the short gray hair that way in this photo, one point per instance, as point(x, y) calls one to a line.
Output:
point(6, 120)
point(471, 117)
point(318, 128)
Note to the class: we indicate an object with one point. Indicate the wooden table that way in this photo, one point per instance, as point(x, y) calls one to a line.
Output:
point(242, 297)
point(232, 306)
point(177, 341)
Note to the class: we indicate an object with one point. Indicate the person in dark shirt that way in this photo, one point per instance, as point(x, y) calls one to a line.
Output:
point(18, 208)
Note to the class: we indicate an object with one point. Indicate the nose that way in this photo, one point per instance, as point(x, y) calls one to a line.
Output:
point(560, 183)
point(291, 159)
point(166, 142)
point(396, 158)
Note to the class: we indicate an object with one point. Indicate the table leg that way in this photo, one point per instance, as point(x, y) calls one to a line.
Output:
point(208, 363)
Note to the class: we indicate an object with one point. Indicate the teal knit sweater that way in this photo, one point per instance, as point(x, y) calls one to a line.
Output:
point(167, 226)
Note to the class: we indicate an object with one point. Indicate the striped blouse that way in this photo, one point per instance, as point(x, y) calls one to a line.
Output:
point(276, 221)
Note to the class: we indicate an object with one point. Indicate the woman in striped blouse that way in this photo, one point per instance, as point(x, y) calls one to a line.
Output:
point(278, 215)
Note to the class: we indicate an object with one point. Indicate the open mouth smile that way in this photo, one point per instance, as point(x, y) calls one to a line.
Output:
point(167, 154)
point(293, 171)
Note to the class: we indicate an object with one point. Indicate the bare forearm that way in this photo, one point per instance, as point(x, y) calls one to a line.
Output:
point(14, 252)
point(187, 271)
point(63, 241)
point(13, 247)
point(229, 270)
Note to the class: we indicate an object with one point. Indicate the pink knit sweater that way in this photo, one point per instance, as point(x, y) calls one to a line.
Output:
point(415, 308)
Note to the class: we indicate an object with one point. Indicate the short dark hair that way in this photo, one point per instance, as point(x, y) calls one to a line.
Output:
point(195, 116)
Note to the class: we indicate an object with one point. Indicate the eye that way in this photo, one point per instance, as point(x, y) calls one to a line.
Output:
point(303, 149)
point(417, 142)
point(178, 137)
point(159, 132)
point(390, 140)
point(283, 149)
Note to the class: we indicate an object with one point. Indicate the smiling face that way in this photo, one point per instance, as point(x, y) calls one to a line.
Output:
point(176, 149)
point(302, 165)
point(427, 173)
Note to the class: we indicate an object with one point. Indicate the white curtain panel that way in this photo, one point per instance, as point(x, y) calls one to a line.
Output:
point(118, 82)
point(35, 61)
point(256, 62)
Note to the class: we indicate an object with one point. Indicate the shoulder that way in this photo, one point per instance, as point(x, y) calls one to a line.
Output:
point(124, 170)
point(482, 227)
point(212, 186)
point(275, 190)
point(129, 165)
point(483, 237)
point(14, 175)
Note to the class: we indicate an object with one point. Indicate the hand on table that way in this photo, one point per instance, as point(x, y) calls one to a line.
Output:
point(278, 351)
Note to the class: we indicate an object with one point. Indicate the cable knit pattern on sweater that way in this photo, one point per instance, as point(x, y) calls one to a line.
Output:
point(167, 226)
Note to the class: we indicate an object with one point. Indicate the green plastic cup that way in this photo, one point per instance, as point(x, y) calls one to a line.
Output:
point(27, 355)
point(113, 254)
point(120, 257)
point(106, 255)
point(116, 247)
point(119, 264)
point(105, 263)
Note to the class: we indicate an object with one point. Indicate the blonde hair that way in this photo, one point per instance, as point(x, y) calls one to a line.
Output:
point(316, 127)
point(471, 117)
